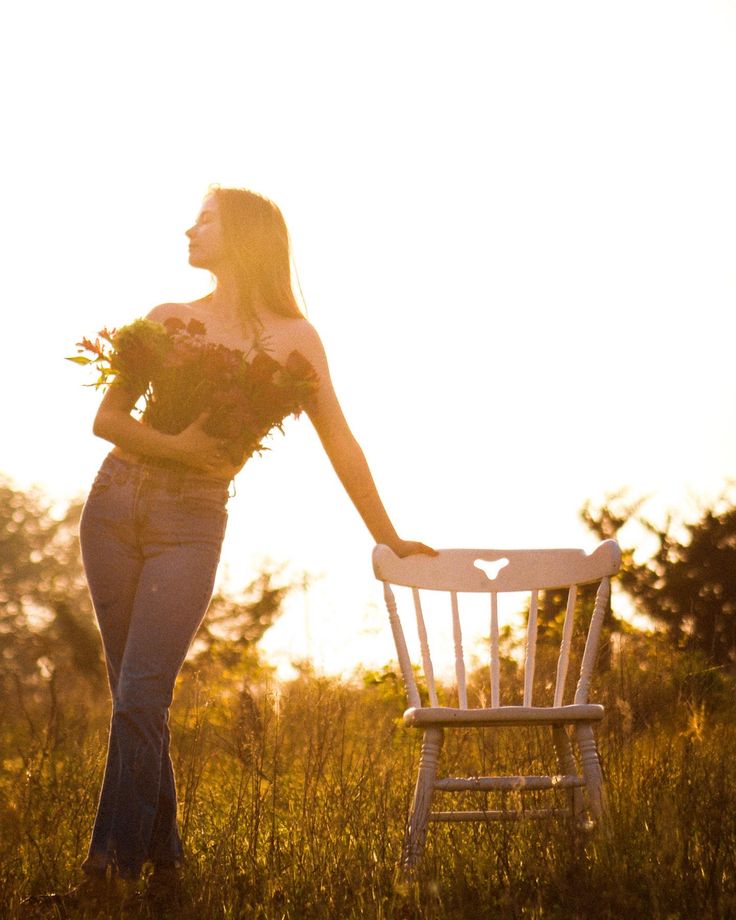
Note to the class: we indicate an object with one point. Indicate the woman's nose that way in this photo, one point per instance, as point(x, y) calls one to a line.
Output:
point(190, 232)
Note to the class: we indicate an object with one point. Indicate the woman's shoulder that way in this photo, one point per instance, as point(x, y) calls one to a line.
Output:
point(302, 337)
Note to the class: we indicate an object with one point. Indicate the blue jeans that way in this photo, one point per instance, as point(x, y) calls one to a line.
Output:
point(151, 541)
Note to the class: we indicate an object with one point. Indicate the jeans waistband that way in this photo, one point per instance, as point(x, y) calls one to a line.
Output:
point(162, 472)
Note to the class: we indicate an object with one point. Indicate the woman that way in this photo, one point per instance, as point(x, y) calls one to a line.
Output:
point(154, 522)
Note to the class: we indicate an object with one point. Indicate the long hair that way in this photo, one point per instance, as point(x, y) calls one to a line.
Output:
point(258, 246)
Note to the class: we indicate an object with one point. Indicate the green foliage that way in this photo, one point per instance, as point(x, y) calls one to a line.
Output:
point(46, 623)
point(127, 355)
point(235, 624)
point(688, 584)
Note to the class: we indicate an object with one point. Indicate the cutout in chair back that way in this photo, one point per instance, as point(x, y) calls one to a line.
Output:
point(491, 569)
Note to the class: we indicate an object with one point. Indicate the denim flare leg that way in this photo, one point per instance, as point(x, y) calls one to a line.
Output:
point(151, 540)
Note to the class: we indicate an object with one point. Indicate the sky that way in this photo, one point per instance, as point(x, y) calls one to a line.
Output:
point(514, 225)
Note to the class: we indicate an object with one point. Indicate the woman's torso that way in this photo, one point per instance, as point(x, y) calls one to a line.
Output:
point(277, 336)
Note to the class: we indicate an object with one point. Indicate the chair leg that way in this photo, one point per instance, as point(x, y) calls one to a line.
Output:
point(416, 829)
point(591, 769)
point(566, 764)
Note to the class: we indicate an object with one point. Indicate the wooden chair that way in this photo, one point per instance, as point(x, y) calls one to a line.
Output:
point(495, 572)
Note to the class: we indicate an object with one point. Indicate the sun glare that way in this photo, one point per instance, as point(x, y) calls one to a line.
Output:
point(516, 237)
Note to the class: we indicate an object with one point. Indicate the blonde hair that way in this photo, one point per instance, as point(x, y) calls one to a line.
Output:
point(258, 245)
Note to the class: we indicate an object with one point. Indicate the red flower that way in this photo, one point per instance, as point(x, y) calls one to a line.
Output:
point(263, 367)
point(194, 327)
point(298, 366)
point(173, 324)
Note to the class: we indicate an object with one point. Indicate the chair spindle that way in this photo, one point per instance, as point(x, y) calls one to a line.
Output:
point(531, 648)
point(564, 659)
point(459, 660)
point(412, 694)
point(591, 643)
point(495, 657)
point(424, 645)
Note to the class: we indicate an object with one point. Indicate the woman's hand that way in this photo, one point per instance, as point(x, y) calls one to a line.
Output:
point(412, 548)
point(196, 448)
point(193, 446)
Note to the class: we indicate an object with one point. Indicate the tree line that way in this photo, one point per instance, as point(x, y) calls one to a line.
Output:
point(686, 587)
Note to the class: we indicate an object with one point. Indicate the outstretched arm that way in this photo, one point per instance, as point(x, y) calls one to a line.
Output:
point(348, 459)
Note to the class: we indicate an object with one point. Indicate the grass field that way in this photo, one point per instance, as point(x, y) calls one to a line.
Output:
point(293, 800)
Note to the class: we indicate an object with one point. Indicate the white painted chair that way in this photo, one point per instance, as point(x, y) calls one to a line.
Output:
point(496, 572)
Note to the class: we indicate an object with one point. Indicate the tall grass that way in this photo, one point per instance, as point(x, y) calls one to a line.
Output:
point(294, 797)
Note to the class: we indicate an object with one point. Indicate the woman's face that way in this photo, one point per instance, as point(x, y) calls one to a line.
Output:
point(206, 242)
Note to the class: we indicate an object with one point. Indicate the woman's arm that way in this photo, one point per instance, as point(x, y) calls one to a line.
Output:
point(347, 457)
point(193, 446)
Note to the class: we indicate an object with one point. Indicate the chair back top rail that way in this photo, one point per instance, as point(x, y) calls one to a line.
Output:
point(456, 571)
point(487, 570)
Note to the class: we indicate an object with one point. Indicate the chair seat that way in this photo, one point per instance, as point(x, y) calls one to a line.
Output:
point(504, 715)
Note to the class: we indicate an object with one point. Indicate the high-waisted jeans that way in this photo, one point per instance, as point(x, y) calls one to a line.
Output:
point(151, 541)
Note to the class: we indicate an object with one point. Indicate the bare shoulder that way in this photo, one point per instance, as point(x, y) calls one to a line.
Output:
point(164, 311)
point(324, 410)
point(304, 338)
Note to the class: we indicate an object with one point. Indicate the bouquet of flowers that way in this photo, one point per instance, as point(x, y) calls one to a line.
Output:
point(181, 375)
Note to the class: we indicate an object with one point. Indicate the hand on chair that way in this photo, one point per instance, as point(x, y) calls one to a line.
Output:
point(412, 548)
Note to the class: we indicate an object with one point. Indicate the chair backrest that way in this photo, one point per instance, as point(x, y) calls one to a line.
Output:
point(495, 572)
